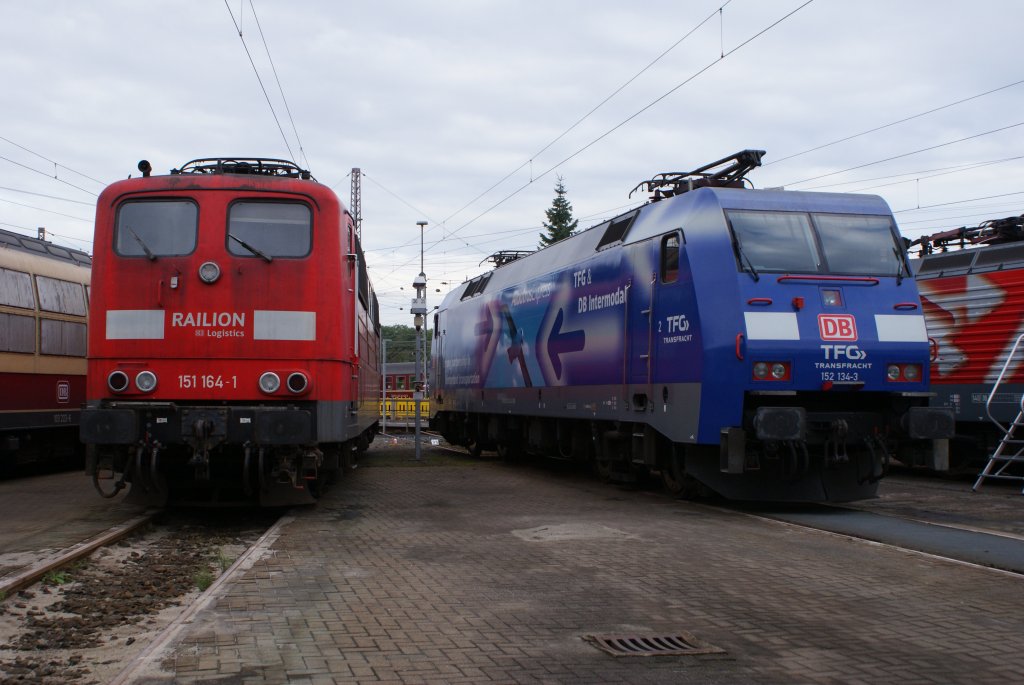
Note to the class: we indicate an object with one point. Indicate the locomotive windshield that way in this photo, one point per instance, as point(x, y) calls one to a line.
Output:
point(269, 229)
point(797, 242)
point(154, 228)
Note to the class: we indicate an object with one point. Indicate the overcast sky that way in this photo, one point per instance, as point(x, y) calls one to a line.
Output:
point(439, 101)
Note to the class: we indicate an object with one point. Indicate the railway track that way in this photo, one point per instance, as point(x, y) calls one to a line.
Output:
point(92, 611)
point(993, 550)
point(49, 564)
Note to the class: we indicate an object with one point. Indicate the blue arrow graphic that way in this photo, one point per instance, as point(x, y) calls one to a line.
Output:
point(562, 343)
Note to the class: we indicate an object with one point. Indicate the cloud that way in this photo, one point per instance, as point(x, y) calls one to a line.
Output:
point(438, 101)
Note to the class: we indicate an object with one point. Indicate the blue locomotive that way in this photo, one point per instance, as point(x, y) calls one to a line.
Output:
point(762, 344)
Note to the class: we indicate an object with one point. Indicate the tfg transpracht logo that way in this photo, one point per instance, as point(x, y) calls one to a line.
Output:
point(837, 327)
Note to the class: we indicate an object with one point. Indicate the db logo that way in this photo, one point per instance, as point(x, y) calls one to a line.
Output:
point(63, 392)
point(837, 327)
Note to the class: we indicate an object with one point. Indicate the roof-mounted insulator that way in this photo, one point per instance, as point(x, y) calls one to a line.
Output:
point(731, 175)
point(255, 166)
point(992, 232)
point(504, 257)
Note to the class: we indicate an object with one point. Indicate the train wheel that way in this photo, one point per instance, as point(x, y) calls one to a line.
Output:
point(603, 468)
point(107, 478)
point(509, 452)
point(677, 481)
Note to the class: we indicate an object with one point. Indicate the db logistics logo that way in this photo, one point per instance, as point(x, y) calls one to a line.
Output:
point(837, 327)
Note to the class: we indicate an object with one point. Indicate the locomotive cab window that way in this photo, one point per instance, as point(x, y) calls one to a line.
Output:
point(156, 228)
point(796, 242)
point(269, 229)
point(859, 244)
point(775, 241)
point(670, 258)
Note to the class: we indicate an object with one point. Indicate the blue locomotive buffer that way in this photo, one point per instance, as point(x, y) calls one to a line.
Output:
point(768, 345)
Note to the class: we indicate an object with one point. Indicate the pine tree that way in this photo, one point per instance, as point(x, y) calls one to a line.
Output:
point(560, 224)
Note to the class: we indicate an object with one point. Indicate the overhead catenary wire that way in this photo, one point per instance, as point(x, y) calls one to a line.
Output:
point(944, 220)
point(42, 209)
point(894, 123)
point(592, 110)
point(938, 171)
point(958, 202)
point(258, 78)
point(48, 197)
point(907, 154)
point(604, 215)
point(628, 119)
point(718, 60)
point(31, 233)
point(54, 163)
point(412, 207)
point(43, 173)
point(280, 88)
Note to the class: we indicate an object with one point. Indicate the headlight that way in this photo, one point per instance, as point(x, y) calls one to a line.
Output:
point(893, 372)
point(831, 298)
point(117, 381)
point(145, 381)
point(771, 371)
point(297, 382)
point(209, 272)
point(912, 372)
point(270, 382)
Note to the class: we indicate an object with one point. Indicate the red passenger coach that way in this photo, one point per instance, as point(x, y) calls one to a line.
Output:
point(43, 295)
point(234, 340)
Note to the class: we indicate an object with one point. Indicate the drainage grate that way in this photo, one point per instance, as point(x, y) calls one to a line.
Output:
point(677, 644)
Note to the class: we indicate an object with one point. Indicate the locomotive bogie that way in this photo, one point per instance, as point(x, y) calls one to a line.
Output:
point(767, 344)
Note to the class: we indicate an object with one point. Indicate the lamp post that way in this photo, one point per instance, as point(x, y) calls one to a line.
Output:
point(419, 312)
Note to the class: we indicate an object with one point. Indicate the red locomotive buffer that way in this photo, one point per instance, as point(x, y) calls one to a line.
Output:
point(235, 337)
point(973, 302)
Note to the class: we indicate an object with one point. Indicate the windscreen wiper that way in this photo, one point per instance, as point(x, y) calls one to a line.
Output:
point(899, 269)
point(746, 260)
point(145, 248)
point(250, 248)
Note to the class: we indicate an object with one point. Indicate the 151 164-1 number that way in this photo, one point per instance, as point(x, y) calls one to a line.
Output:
point(206, 382)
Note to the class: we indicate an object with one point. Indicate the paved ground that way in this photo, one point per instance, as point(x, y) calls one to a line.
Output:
point(52, 512)
point(461, 571)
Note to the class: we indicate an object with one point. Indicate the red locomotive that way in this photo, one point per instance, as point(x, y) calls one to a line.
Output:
point(972, 290)
point(234, 349)
point(43, 306)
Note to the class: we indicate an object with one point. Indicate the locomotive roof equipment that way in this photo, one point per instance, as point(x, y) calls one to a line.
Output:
point(992, 232)
point(731, 176)
point(256, 166)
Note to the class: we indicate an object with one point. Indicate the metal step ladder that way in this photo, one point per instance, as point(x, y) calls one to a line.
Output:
point(1010, 450)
